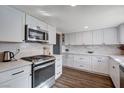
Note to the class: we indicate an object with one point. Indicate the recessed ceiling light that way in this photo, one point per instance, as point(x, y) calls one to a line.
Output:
point(73, 5)
point(45, 13)
point(86, 27)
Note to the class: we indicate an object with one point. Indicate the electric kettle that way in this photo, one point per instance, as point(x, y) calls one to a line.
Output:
point(7, 56)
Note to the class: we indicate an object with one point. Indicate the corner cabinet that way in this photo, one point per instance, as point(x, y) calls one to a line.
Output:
point(121, 33)
point(52, 34)
point(114, 72)
point(11, 24)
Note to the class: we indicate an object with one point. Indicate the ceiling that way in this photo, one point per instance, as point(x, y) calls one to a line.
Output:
point(76, 18)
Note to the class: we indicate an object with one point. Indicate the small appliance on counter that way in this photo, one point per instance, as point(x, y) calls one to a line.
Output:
point(8, 56)
point(46, 51)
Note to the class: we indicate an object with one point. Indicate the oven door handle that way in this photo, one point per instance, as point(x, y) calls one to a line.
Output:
point(43, 66)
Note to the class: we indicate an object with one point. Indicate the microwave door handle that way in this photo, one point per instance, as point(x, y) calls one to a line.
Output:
point(43, 66)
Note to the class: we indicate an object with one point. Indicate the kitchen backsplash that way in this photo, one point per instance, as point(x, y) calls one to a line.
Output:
point(97, 49)
point(26, 49)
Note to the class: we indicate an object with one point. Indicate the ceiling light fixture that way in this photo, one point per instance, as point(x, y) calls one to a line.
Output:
point(45, 13)
point(73, 5)
point(86, 27)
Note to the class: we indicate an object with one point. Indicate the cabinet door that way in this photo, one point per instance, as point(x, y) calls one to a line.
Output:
point(114, 73)
point(79, 38)
point(52, 34)
point(87, 38)
point(97, 37)
point(11, 24)
point(58, 66)
point(72, 38)
point(20, 82)
point(67, 39)
point(32, 22)
point(110, 36)
point(121, 33)
point(100, 64)
point(70, 60)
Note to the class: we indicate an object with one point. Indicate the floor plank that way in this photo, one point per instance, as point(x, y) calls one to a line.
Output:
point(72, 78)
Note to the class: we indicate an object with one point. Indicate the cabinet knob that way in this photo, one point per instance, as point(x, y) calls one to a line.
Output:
point(113, 67)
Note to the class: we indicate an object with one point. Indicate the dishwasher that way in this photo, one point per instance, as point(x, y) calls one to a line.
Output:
point(121, 76)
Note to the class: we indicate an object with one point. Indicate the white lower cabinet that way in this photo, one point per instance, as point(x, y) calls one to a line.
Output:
point(97, 64)
point(20, 82)
point(58, 66)
point(16, 78)
point(100, 64)
point(82, 62)
point(68, 60)
point(114, 72)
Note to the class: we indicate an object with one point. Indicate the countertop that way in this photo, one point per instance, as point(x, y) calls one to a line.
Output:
point(4, 66)
point(117, 57)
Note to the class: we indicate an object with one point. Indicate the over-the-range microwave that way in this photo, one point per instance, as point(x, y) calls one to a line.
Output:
point(36, 35)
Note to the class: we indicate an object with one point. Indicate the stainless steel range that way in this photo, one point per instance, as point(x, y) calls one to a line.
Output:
point(43, 70)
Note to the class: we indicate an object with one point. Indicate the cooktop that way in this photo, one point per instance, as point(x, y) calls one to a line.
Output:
point(38, 58)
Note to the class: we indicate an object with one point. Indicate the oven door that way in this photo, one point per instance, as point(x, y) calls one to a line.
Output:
point(44, 75)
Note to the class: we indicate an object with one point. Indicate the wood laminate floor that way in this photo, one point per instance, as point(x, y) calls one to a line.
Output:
point(72, 78)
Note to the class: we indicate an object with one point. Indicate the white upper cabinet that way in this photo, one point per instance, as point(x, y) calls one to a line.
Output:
point(32, 22)
point(121, 33)
point(87, 38)
point(67, 39)
point(11, 24)
point(97, 37)
point(79, 38)
point(52, 34)
point(72, 38)
point(110, 36)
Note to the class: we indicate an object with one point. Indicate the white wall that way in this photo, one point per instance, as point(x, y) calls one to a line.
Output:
point(27, 49)
point(101, 49)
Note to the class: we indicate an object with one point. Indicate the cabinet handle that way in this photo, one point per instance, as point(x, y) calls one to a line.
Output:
point(99, 61)
point(81, 58)
point(18, 72)
point(81, 66)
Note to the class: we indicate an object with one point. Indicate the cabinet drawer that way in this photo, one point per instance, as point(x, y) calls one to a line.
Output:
point(4, 76)
point(83, 65)
point(82, 58)
point(99, 58)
